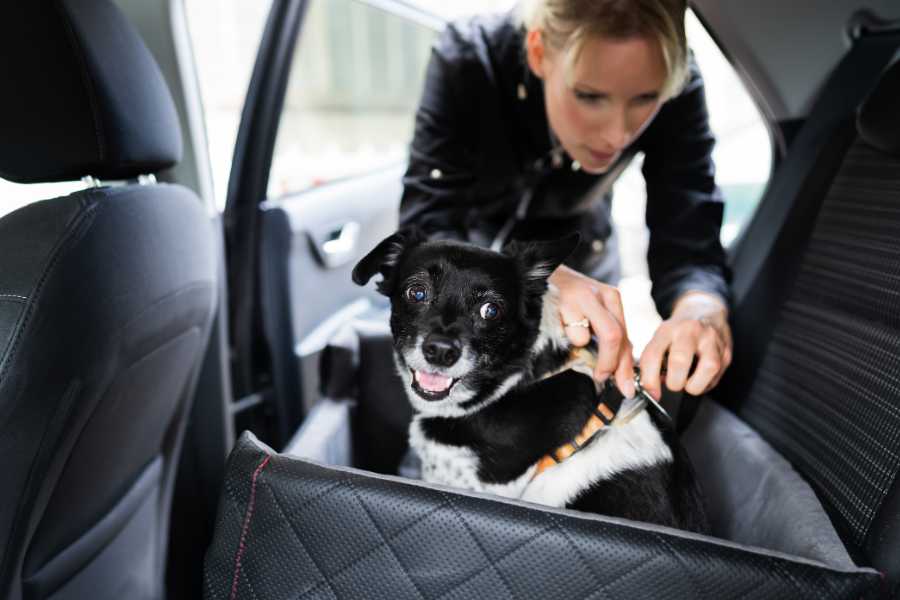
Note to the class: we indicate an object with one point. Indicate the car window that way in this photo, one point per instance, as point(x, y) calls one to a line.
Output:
point(743, 160)
point(16, 195)
point(225, 37)
point(353, 89)
point(743, 153)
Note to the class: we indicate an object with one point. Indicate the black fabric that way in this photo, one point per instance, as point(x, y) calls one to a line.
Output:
point(879, 116)
point(105, 305)
point(753, 495)
point(82, 95)
point(490, 148)
point(827, 394)
point(288, 528)
point(382, 413)
point(765, 259)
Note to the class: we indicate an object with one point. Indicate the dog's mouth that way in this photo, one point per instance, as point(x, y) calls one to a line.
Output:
point(432, 386)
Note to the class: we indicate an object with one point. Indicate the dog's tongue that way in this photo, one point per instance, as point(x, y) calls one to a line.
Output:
point(432, 382)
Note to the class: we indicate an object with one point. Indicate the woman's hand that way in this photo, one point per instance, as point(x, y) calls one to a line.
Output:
point(698, 328)
point(587, 305)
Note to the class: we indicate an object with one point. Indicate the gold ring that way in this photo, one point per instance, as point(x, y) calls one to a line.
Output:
point(582, 323)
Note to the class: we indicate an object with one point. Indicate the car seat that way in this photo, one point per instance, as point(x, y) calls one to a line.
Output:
point(803, 503)
point(106, 299)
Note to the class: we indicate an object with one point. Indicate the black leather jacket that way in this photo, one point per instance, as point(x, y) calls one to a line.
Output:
point(482, 143)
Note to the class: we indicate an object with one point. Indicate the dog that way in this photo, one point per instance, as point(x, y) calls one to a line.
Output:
point(503, 403)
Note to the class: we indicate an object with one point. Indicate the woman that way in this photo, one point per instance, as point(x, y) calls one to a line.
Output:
point(525, 120)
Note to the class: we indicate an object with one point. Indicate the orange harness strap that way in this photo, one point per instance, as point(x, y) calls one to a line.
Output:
point(601, 418)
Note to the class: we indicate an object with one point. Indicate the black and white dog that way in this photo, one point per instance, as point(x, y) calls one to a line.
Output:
point(490, 374)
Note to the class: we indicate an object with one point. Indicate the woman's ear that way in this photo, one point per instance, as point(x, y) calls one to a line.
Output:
point(535, 51)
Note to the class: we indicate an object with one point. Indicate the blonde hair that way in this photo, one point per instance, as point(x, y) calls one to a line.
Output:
point(567, 24)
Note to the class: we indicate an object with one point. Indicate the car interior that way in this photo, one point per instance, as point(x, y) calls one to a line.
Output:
point(196, 403)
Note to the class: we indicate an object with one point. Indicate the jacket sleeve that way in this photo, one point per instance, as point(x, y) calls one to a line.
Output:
point(684, 205)
point(441, 171)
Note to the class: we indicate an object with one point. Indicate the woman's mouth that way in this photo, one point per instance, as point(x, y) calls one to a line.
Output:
point(601, 158)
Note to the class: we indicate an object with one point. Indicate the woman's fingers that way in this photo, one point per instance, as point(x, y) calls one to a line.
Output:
point(610, 337)
point(681, 354)
point(625, 371)
point(709, 364)
point(693, 353)
point(613, 348)
point(572, 318)
point(584, 301)
point(651, 362)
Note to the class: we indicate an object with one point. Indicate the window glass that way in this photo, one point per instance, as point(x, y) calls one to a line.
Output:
point(225, 37)
point(743, 159)
point(354, 86)
point(458, 9)
point(17, 195)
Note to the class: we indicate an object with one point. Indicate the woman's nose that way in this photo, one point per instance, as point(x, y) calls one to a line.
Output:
point(617, 132)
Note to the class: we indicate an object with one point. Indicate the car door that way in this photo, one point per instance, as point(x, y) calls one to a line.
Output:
point(315, 183)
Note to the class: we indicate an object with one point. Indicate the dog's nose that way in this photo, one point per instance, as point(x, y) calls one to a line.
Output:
point(441, 350)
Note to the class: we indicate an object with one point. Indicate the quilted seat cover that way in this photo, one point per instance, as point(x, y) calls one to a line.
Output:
point(289, 528)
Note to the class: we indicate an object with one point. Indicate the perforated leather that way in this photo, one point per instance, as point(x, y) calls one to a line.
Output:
point(293, 529)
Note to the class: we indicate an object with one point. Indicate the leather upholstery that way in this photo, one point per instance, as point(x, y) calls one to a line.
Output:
point(290, 528)
point(81, 95)
point(106, 299)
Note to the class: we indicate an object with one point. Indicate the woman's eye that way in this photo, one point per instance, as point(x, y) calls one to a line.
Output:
point(489, 311)
point(588, 97)
point(646, 99)
point(416, 293)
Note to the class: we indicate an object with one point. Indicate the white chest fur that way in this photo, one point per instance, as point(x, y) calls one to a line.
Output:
point(457, 466)
point(633, 446)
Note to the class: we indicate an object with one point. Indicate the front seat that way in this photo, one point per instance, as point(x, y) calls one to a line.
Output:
point(106, 299)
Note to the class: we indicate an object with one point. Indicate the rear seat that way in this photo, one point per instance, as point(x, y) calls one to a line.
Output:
point(824, 393)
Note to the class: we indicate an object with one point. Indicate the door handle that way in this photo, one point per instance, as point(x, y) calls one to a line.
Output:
point(339, 246)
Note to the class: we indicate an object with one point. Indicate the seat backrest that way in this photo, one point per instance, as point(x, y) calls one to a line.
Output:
point(106, 299)
point(827, 392)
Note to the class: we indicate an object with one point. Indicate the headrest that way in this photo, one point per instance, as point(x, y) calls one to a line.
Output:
point(81, 95)
point(878, 120)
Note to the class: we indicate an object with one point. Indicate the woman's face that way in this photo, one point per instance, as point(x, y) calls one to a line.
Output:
point(613, 93)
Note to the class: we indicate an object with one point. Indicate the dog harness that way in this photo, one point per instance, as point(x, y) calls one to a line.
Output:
point(583, 361)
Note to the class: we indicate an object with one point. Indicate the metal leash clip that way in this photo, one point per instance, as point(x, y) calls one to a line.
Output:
point(639, 391)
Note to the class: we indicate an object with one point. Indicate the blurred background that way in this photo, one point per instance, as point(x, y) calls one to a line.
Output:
point(354, 86)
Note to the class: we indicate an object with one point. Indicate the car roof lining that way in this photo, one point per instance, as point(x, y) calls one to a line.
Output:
point(783, 66)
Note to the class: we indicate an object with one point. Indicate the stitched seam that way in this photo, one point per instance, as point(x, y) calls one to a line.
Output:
point(364, 556)
point(384, 539)
point(686, 568)
point(325, 580)
point(30, 481)
point(500, 559)
point(245, 529)
point(309, 502)
point(82, 222)
point(86, 79)
point(578, 553)
point(629, 571)
point(755, 589)
point(480, 547)
point(778, 566)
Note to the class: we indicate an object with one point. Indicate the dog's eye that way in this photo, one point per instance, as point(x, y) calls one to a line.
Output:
point(416, 293)
point(489, 311)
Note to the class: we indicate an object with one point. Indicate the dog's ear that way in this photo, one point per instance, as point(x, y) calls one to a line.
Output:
point(384, 257)
point(540, 259)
